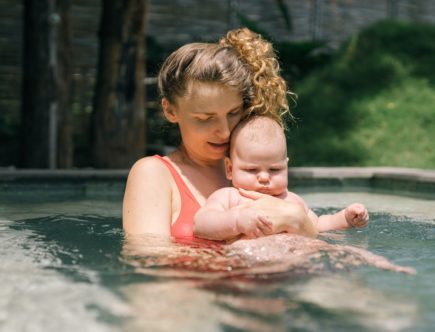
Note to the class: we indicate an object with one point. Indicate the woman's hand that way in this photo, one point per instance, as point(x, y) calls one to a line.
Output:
point(252, 223)
point(284, 216)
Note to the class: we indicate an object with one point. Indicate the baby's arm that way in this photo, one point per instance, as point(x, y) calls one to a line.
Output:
point(221, 218)
point(355, 215)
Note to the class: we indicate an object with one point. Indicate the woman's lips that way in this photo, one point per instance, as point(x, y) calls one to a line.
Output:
point(219, 146)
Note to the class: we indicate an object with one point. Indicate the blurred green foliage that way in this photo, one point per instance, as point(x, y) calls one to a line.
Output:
point(368, 103)
point(297, 58)
point(372, 104)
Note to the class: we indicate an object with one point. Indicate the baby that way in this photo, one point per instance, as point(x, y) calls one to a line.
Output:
point(258, 162)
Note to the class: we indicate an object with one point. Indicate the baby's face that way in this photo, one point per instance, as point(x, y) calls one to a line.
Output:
point(259, 166)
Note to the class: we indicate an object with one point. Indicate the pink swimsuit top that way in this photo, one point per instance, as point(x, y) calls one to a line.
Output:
point(183, 226)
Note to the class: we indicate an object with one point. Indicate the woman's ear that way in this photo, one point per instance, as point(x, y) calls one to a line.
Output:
point(169, 111)
point(228, 168)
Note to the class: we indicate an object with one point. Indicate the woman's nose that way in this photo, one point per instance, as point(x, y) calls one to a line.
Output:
point(223, 129)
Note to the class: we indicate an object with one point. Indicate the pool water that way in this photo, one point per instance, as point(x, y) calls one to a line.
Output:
point(66, 266)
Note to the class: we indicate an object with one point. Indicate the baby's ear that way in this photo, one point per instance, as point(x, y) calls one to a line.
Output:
point(228, 168)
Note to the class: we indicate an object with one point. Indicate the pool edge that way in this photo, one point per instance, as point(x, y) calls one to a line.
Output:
point(402, 181)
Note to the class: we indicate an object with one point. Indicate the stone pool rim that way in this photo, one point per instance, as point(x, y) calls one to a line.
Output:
point(396, 180)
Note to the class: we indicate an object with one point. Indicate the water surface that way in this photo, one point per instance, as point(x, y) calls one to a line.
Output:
point(66, 266)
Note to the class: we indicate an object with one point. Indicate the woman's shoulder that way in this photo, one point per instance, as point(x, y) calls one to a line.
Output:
point(151, 165)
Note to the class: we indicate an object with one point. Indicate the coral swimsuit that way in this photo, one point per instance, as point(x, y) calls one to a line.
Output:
point(183, 226)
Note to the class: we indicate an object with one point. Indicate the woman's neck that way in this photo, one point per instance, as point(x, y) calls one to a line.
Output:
point(183, 157)
point(205, 177)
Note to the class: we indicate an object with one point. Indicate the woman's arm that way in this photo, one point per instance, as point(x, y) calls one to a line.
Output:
point(147, 206)
point(285, 216)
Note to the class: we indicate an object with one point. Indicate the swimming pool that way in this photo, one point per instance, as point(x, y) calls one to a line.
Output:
point(66, 266)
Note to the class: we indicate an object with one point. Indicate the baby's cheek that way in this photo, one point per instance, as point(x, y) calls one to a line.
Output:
point(248, 182)
point(281, 182)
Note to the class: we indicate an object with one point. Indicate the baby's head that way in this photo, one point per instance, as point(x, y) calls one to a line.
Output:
point(258, 156)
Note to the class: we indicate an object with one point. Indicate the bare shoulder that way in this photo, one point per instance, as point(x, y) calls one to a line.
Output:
point(292, 196)
point(223, 192)
point(148, 178)
point(223, 197)
point(148, 165)
point(295, 198)
point(149, 169)
point(148, 198)
point(226, 191)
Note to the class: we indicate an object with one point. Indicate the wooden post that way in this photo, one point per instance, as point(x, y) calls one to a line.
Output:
point(118, 123)
point(45, 88)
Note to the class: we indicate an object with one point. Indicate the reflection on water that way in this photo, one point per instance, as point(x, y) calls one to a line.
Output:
point(271, 255)
point(74, 272)
point(274, 283)
point(321, 303)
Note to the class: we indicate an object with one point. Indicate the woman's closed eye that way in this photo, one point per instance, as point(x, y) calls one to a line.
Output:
point(204, 119)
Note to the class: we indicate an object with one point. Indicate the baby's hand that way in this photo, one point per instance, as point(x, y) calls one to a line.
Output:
point(356, 215)
point(251, 223)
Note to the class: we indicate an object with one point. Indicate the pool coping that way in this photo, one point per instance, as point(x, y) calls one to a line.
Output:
point(410, 174)
point(94, 182)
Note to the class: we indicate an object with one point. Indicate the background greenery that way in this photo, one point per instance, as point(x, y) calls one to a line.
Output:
point(369, 103)
point(372, 104)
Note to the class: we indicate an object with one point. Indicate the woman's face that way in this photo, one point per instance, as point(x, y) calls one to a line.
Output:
point(206, 116)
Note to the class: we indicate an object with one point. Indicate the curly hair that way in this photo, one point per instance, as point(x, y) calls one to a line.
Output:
point(242, 60)
point(270, 89)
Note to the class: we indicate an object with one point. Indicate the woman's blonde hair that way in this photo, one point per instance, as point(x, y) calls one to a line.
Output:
point(242, 60)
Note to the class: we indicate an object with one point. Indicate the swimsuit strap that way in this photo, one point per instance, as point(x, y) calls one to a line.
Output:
point(183, 225)
point(181, 185)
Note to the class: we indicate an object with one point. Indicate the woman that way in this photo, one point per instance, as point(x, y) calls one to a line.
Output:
point(206, 89)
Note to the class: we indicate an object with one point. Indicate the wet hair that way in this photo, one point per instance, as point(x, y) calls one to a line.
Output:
point(242, 60)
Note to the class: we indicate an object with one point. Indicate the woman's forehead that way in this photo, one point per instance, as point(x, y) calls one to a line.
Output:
point(197, 89)
point(203, 96)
